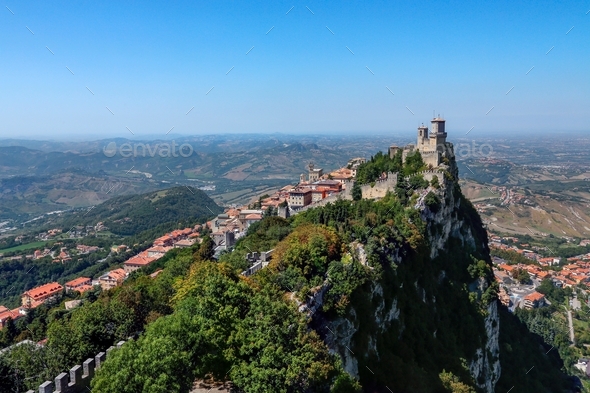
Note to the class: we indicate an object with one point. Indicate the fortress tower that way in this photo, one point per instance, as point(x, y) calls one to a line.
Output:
point(431, 143)
point(438, 137)
point(423, 141)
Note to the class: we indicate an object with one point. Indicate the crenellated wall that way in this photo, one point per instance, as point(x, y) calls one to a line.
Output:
point(78, 379)
point(380, 188)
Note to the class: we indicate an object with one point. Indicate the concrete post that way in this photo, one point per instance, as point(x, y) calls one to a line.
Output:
point(75, 375)
point(120, 344)
point(100, 358)
point(46, 387)
point(61, 383)
point(88, 367)
point(109, 349)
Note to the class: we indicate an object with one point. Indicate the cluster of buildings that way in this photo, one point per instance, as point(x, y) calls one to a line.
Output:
point(231, 225)
point(50, 234)
point(75, 232)
point(53, 290)
point(564, 273)
point(319, 185)
point(63, 255)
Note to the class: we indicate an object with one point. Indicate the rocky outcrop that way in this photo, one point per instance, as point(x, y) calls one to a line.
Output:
point(445, 224)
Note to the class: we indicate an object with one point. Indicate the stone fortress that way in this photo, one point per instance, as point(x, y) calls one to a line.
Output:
point(431, 144)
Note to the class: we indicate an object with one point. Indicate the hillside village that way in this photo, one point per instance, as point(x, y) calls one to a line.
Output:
point(572, 272)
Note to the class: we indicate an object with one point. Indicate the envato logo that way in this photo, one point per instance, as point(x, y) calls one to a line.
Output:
point(164, 150)
point(465, 150)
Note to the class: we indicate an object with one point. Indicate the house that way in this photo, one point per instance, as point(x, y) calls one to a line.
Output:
point(252, 218)
point(185, 243)
point(318, 195)
point(534, 300)
point(112, 279)
point(506, 267)
point(80, 284)
point(224, 239)
point(157, 251)
point(39, 295)
point(549, 261)
point(5, 313)
point(299, 197)
point(82, 249)
point(140, 260)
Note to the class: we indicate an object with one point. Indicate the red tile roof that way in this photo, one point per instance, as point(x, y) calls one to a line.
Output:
point(535, 296)
point(44, 290)
point(77, 282)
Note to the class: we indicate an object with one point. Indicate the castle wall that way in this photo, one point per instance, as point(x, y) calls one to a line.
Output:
point(430, 158)
point(78, 379)
point(379, 190)
point(429, 175)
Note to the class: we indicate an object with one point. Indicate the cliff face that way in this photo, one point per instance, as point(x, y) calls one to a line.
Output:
point(426, 310)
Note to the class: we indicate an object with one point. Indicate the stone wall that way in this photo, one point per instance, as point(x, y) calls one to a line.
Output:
point(377, 190)
point(78, 379)
point(380, 188)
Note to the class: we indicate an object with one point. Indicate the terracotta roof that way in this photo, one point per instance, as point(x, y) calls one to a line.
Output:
point(78, 281)
point(143, 259)
point(44, 290)
point(535, 296)
point(4, 315)
point(506, 267)
point(253, 217)
point(84, 288)
point(116, 274)
point(157, 249)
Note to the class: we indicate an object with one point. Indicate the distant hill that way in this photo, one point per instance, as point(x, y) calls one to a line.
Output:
point(38, 177)
point(130, 215)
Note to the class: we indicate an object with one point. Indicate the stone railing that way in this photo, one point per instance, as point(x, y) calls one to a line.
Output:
point(78, 379)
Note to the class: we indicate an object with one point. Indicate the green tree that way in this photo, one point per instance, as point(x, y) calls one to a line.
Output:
point(206, 249)
point(357, 192)
point(521, 276)
point(453, 385)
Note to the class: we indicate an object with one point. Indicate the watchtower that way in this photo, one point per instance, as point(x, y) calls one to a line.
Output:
point(422, 137)
point(438, 136)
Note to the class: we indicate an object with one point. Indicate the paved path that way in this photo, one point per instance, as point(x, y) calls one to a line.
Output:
point(571, 325)
point(576, 304)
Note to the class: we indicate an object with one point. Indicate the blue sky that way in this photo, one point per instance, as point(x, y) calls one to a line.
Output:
point(151, 62)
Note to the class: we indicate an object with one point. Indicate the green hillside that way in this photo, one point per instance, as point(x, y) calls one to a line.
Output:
point(133, 220)
point(129, 215)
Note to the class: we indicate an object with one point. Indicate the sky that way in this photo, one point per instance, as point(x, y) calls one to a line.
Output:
point(76, 70)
